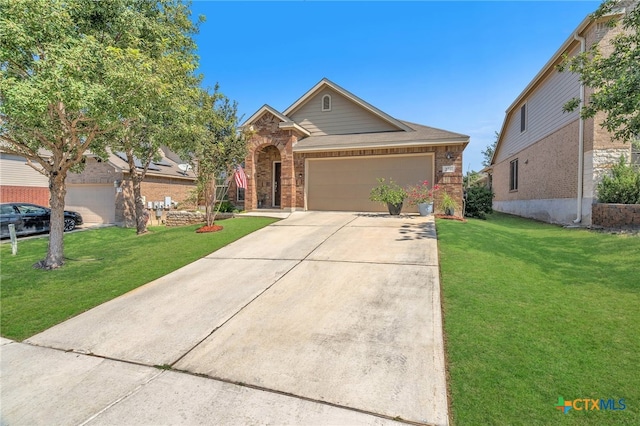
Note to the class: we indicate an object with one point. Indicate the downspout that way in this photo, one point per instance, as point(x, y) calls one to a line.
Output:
point(580, 139)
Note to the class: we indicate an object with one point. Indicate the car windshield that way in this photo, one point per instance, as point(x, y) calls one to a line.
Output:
point(6, 209)
point(31, 209)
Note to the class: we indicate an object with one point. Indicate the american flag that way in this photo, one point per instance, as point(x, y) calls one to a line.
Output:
point(241, 177)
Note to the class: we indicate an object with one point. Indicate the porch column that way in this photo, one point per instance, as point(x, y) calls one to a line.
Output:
point(288, 177)
point(250, 196)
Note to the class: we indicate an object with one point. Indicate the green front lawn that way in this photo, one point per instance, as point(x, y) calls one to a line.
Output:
point(101, 264)
point(534, 312)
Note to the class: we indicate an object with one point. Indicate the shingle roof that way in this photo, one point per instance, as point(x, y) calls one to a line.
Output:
point(419, 136)
point(166, 167)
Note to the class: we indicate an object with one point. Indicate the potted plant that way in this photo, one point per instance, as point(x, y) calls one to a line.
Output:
point(422, 196)
point(390, 193)
point(448, 204)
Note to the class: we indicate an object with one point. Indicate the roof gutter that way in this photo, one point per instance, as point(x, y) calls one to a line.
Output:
point(580, 140)
point(383, 145)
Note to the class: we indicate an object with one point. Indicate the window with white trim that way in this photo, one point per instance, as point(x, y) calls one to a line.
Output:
point(523, 118)
point(222, 187)
point(326, 103)
point(513, 175)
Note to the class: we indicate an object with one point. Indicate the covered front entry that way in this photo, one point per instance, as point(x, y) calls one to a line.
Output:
point(269, 177)
point(344, 184)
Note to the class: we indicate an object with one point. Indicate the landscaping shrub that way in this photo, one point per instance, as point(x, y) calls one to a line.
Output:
point(479, 202)
point(226, 207)
point(622, 186)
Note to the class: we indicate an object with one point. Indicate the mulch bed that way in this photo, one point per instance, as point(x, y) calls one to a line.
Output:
point(444, 216)
point(212, 228)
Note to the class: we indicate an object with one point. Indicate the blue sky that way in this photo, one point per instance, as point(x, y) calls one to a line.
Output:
point(452, 65)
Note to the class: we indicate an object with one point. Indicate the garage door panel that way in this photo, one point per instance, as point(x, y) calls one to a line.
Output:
point(96, 203)
point(344, 184)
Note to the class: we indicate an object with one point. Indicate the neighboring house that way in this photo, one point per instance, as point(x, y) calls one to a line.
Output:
point(547, 163)
point(20, 182)
point(103, 192)
point(326, 151)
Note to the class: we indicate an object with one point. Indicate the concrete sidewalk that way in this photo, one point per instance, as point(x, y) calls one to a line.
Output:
point(321, 318)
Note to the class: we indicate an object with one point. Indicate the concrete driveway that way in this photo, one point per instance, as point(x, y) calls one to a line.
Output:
point(322, 318)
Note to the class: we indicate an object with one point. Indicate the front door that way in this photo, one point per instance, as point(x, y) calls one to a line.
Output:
point(277, 168)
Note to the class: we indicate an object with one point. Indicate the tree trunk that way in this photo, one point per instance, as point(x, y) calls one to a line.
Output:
point(142, 215)
point(55, 253)
point(209, 201)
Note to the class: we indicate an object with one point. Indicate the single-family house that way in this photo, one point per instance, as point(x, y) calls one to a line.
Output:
point(547, 163)
point(102, 192)
point(327, 149)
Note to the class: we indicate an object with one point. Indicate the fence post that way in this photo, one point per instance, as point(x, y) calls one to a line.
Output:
point(14, 240)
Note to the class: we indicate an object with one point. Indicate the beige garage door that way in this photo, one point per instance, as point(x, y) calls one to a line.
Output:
point(344, 184)
point(96, 203)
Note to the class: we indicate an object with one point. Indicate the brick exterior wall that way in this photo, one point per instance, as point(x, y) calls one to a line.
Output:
point(153, 188)
point(26, 194)
point(616, 215)
point(546, 169)
point(95, 172)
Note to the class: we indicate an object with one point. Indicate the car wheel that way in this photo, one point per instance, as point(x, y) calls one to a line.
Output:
point(69, 225)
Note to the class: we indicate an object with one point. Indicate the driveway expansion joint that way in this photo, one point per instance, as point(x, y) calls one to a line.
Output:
point(122, 398)
point(300, 397)
point(365, 262)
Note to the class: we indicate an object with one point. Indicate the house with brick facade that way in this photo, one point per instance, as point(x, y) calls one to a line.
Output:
point(103, 192)
point(547, 163)
point(20, 182)
point(327, 149)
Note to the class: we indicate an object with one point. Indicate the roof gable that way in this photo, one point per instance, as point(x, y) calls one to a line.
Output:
point(285, 122)
point(365, 113)
point(264, 109)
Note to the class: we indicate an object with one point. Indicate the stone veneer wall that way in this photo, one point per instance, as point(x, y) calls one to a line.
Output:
point(616, 215)
point(182, 218)
point(605, 159)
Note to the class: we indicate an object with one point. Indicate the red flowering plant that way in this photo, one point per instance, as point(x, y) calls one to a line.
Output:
point(421, 193)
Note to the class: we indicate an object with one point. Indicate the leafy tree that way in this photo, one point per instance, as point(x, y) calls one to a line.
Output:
point(489, 151)
point(54, 105)
point(217, 147)
point(614, 77)
point(58, 64)
point(160, 81)
point(472, 178)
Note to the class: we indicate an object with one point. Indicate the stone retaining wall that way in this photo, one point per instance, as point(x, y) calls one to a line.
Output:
point(616, 215)
point(182, 217)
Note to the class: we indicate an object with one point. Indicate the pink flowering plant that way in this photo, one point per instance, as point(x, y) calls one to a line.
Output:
point(421, 193)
